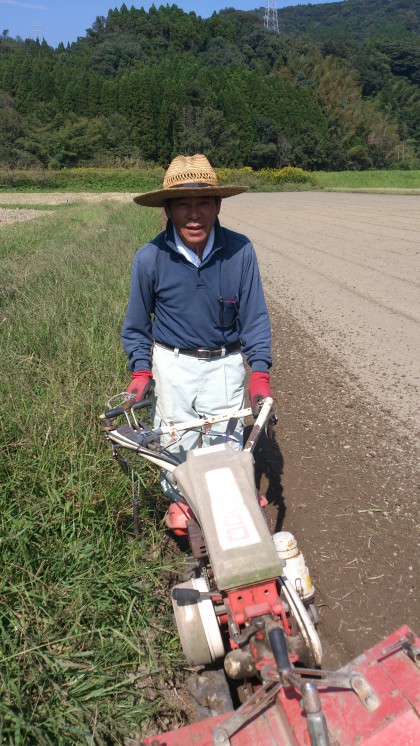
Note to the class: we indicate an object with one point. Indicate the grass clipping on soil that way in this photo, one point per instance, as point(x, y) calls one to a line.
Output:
point(85, 611)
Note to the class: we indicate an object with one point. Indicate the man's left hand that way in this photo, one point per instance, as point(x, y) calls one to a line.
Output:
point(259, 389)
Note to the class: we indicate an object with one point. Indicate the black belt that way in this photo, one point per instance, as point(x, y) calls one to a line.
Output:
point(203, 354)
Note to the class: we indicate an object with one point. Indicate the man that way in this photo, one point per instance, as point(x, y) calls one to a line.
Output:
point(196, 305)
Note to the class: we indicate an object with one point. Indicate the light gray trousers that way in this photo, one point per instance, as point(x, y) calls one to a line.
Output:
point(187, 387)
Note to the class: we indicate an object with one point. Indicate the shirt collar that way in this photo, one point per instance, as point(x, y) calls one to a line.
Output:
point(190, 255)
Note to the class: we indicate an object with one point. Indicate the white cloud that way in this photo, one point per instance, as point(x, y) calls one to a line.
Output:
point(19, 4)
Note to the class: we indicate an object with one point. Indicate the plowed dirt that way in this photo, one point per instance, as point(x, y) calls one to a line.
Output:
point(341, 277)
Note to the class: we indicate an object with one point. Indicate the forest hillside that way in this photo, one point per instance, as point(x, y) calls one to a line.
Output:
point(337, 88)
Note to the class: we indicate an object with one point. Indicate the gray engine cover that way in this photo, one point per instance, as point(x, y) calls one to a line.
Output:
point(219, 485)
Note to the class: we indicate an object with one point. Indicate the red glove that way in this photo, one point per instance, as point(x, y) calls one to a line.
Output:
point(259, 388)
point(142, 385)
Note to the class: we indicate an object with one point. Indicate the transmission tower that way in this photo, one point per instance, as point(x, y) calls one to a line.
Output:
point(271, 21)
point(37, 31)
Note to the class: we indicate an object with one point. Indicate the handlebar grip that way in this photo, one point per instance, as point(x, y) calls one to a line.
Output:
point(185, 596)
point(279, 649)
point(117, 411)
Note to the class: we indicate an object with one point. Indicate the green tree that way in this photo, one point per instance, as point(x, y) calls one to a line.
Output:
point(337, 88)
point(205, 130)
point(144, 113)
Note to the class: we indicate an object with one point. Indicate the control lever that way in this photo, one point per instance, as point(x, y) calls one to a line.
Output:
point(315, 676)
point(311, 703)
point(188, 596)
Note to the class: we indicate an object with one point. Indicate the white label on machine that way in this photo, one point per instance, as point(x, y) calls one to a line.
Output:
point(233, 521)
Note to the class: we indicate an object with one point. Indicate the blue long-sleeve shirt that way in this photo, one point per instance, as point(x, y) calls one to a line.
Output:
point(210, 306)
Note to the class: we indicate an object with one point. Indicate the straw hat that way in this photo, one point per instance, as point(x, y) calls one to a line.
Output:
point(188, 176)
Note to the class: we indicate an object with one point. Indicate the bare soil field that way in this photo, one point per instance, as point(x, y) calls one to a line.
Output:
point(341, 276)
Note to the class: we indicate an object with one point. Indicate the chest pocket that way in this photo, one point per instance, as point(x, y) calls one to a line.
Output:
point(228, 311)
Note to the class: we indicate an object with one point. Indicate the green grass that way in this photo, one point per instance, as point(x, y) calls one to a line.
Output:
point(85, 608)
point(83, 179)
point(369, 180)
point(145, 179)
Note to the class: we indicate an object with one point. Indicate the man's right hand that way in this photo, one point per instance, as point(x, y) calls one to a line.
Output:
point(141, 387)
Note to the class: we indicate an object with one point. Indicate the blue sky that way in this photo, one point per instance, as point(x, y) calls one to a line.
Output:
point(65, 20)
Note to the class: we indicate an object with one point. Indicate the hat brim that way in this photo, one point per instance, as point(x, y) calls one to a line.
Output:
point(158, 197)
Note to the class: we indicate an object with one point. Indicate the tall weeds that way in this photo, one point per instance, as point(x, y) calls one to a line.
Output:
point(143, 179)
point(84, 609)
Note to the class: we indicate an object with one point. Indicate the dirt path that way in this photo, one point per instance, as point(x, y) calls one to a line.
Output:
point(341, 274)
point(16, 213)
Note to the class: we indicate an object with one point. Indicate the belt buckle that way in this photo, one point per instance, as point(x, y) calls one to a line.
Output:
point(203, 354)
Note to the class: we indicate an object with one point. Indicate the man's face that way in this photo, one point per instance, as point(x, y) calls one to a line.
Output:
point(193, 218)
